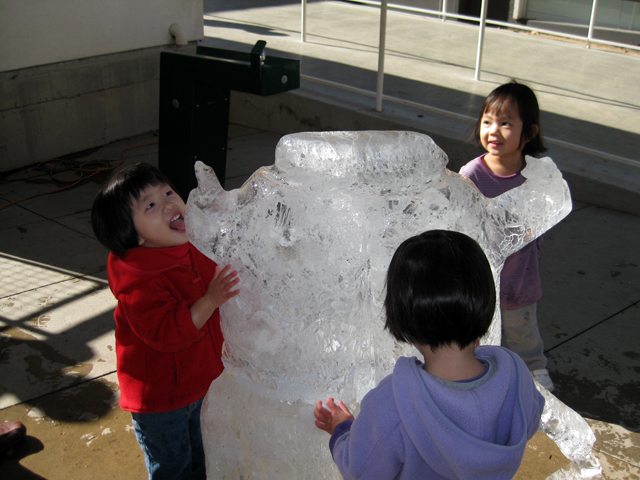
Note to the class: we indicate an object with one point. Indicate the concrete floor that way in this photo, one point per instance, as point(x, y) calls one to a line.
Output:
point(57, 366)
point(57, 362)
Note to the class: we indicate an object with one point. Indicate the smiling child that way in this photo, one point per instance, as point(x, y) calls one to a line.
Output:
point(508, 128)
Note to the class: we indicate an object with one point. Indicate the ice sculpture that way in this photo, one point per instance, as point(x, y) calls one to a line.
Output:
point(311, 238)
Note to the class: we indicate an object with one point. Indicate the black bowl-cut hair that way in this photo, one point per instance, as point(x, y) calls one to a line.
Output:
point(111, 216)
point(440, 290)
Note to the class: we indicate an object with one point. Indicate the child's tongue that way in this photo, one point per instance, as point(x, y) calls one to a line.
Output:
point(178, 224)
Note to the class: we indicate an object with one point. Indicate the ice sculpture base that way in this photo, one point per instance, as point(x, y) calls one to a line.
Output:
point(268, 443)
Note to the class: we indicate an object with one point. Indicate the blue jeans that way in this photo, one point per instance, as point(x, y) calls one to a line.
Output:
point(172, 443)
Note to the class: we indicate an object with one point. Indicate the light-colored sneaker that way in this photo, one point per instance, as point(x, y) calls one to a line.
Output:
point(543, 378)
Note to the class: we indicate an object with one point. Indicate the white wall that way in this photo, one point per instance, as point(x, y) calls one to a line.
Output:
point(76, 74)
point(40, 32)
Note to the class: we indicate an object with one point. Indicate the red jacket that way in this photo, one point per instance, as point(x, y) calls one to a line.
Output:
point(164, 361)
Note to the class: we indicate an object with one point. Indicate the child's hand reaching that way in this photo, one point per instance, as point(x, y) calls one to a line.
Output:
point(328, 420)
point(218, 292)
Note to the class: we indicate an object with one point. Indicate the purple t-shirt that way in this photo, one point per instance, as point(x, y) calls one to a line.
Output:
point(520, 277)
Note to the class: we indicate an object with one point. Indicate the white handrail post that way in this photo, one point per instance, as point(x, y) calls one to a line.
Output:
point(444, 10)
point(381, 49)
point(592, 22)
point(303, 21)
point(483, 22)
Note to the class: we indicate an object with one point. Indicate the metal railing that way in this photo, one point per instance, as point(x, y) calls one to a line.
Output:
point(482, 20)
point(443, 14)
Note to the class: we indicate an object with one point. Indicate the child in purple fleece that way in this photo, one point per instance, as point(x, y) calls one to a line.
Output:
point(466, 411)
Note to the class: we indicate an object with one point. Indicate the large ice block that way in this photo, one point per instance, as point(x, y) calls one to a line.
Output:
point(311, 238)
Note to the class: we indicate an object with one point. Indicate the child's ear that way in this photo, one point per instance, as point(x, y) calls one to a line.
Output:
point(534, 132)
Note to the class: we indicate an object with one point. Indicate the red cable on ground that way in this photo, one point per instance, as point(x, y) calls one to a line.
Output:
point(82, 169)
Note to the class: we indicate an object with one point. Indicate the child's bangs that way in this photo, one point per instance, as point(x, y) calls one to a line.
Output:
point(137, 188)
point(498, 103)
point(133, 182)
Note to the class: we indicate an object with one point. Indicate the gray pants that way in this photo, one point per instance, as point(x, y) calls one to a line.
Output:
point(521, 335)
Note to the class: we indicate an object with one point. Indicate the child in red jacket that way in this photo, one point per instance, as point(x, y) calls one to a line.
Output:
point(168, 337)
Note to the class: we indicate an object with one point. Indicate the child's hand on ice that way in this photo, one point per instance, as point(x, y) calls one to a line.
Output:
point(219, 290)
point(328, 420)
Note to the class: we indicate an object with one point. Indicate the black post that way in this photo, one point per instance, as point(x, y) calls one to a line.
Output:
point(194, 104)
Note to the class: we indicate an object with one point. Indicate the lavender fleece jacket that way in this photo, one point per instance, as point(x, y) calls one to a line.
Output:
point(412, 427)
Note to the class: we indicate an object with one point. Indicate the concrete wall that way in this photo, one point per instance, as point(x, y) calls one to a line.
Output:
point(40, 32)
point(317, 108)
point(615, 14)
point(75, 74)
point(452, 5)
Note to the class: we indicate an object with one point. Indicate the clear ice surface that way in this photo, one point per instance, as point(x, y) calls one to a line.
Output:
point(311, 238)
